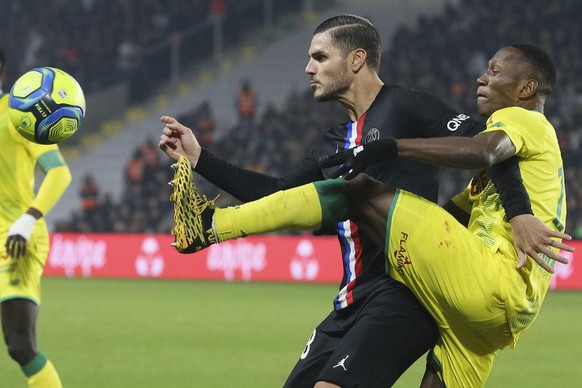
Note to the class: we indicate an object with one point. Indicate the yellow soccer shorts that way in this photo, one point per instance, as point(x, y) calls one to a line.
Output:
point(20, 278)
point(457, 280)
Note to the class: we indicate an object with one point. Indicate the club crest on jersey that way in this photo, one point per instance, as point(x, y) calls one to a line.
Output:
point(373, 134)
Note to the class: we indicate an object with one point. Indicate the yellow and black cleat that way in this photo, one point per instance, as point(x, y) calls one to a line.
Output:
point(192, 212)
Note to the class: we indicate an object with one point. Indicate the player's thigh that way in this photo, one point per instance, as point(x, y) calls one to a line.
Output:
point(370, 202)
point(21, 278)
point(446, 266)
point(318, 348)
point(392, 331)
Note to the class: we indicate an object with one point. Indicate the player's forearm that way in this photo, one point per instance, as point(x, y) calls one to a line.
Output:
point(454, 152)
point(243, 184)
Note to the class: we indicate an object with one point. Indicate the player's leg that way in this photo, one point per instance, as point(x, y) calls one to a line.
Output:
point(318, 348)
point(369, 203)
point(19, 318)
point(20, 297)
point(307, 207)
point(430, 379)
point(19, 329)
point(390, 331)
point(197, 225)
point(457, 279)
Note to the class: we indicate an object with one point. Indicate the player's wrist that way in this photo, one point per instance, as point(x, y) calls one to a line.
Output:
point(34, 212)
point(382, 149)
point(23, 226)
point(195, 159)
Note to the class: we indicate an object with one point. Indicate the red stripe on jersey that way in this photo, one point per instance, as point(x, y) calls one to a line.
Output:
point(360, 126)
point(357, 264)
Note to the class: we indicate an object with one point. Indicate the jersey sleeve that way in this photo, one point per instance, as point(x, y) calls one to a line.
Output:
point(527, 139)
point(57, 175)
point(51, 189)
point(247, 185)
point(434, 118)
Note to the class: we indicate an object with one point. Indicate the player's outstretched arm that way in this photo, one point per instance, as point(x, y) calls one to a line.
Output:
point(480, 151)
point(178, 140)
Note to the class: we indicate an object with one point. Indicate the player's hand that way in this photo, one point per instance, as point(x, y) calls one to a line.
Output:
point(355, 160)
point(533, 238)
point(18, 236)
point(178, 140)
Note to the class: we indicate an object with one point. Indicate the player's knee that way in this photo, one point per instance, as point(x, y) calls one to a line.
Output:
point(21, 348)
point(364, 187)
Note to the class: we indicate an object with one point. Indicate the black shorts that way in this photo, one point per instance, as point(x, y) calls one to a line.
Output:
point(369, 344)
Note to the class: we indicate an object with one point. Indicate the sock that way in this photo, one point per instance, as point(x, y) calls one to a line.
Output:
point(41, 373)
point(306, 207)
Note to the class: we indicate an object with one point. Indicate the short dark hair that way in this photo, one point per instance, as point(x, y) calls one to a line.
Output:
point(350, 32)
point(2, 59)
point(541, 64)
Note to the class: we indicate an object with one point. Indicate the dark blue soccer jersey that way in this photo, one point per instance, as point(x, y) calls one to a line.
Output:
point(396, 112)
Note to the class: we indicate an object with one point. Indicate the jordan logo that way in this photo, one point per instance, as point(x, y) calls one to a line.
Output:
point(342, 363)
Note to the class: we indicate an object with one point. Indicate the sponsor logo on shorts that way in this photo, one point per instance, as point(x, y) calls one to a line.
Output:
point(342, 363)
point(401, 254)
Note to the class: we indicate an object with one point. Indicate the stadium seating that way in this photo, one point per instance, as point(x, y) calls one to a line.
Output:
point(442, 54)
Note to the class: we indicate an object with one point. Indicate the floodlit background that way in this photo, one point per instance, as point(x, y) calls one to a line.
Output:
point(138, 60)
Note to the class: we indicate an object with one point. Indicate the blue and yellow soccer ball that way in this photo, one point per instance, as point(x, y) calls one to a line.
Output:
point(46, 105)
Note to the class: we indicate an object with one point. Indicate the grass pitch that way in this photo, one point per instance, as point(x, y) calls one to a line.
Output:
point(152, 333)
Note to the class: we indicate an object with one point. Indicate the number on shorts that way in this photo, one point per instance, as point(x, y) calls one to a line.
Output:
point(308, 346)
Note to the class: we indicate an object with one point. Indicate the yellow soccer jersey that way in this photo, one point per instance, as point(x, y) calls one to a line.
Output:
point(17, 165)
point(541, 168)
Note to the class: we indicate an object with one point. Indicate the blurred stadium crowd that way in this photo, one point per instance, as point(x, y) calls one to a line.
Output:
point(442, 55)
point(104, 42)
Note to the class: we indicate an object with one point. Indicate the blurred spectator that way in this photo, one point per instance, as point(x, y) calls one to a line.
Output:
point(246, 105)
point(205, 124)
point(89, 193)
point(134, 168)
point(201, 120)
point(217, 8)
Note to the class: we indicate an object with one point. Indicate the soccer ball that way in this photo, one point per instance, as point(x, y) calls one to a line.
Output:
point(46, 105)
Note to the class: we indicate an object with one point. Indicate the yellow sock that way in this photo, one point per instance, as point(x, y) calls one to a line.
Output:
point(305, 207)
point(41, 373)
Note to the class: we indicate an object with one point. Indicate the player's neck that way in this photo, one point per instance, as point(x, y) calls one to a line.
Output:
point(361, 96)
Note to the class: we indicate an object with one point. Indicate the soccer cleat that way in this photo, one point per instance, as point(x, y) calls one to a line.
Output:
point(192, 212)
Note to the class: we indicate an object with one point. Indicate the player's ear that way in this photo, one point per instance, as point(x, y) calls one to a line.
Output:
point(528, 88)
point(358, 59)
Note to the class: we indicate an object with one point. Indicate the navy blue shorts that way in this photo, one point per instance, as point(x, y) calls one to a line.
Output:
point(369, 344)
